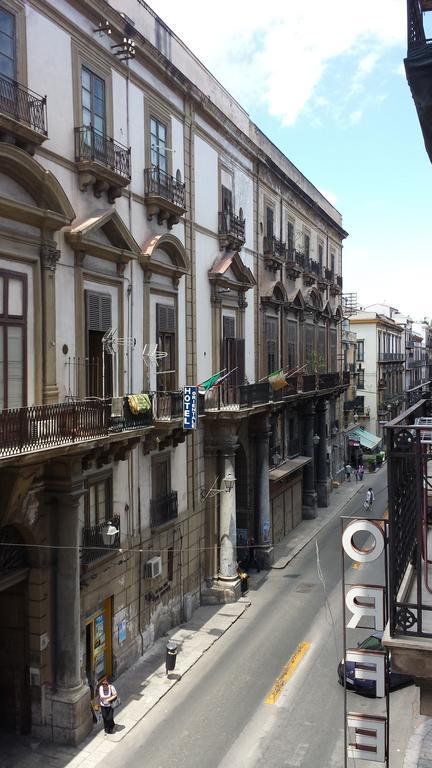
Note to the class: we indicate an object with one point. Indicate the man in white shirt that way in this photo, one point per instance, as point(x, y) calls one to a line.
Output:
point(370, 498)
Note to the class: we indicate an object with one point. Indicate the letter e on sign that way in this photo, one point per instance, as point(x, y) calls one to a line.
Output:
point(369, 665)
point(367, 737)
point(369, 551)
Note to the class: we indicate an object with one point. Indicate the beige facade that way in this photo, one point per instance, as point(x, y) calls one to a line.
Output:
point(138, 214)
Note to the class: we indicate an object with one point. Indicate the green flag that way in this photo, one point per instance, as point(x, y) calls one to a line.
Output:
point(209, 383)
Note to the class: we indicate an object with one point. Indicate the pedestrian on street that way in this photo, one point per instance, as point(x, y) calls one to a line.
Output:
point(370, 498)
point(356, 474)
point(107, 697)
point(361, 472)
point(252, 561)
point(348, 472)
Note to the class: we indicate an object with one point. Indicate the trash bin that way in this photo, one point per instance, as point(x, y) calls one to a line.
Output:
point(171, 656)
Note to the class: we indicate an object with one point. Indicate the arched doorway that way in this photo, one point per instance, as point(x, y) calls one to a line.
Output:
point(15, 704)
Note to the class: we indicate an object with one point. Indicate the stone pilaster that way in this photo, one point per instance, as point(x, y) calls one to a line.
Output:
point(261, 437)
point(309, 492)
point(321, 470)
point(49, 257)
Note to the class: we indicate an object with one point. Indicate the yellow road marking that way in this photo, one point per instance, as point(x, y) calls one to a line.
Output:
point(287, 672)
point(356, 565)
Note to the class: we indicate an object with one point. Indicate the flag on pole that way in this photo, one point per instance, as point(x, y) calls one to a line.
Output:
point(222, 378)
point(277, 379)
point(212, 381)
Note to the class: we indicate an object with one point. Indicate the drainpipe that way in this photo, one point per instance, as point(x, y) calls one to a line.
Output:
point(257, 310)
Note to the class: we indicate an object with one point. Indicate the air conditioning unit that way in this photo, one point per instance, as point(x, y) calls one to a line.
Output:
point(153, 568)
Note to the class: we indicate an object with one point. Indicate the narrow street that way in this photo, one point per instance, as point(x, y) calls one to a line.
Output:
point(218, 715)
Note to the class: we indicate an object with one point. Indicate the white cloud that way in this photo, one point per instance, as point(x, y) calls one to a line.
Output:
point(276, 59)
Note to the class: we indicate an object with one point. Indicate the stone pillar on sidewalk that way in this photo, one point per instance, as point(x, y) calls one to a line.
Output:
point(310, 510)
point(261, 438)
point(321, 470)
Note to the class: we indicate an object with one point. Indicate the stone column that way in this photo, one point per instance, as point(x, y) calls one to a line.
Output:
point(309, 493)
point(71, 715)
point(261, 438)
point(227, 516)
point(49, 257)
point(322, 479)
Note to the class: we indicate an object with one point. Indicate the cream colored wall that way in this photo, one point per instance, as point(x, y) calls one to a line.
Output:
point(206, 252)
point(206, 186)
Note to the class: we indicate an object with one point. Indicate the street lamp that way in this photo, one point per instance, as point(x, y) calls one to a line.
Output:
point(227, 484)
point(109, 533)
point(316, 439)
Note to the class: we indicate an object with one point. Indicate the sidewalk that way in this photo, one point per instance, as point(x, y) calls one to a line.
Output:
point(145, 683)
point(419, 749)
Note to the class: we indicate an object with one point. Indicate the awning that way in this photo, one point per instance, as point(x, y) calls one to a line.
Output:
point(367, 439)
point(288, 467)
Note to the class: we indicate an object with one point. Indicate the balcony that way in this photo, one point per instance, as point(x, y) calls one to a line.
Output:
point(163, 510)
point(416, 363)
point(391, 357)
point(164, 196)
point(312, 272)
point(23, 117)
point(336, 285)
point(102, 162)
point(409, 632)
point(274, 252)
point(292, 266)
point(93, 546)
point(231, 231)
point(418, 67)
point(247, 396)
point(167, 406)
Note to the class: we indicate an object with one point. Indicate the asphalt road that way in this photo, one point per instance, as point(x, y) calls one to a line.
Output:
point(217, 717)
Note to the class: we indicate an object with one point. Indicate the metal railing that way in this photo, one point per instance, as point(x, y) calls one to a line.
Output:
point(93, 546)
point(300, 259)
point(163, 510)
point(328, 274)
point(160, 184)
point(23, 105)
point(91, 145)
point(391, 357)
point(274, 247)
point(167, 405)
point(416, 32)
point(44, 426)
point(231, 225)
point(408, 468)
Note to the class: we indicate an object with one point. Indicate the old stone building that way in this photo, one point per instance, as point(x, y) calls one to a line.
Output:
point(150, 237)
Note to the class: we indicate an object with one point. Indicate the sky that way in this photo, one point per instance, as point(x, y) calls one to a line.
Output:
point(326, 83)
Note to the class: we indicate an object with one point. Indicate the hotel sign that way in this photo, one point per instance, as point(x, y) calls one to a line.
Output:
point(190, 407)
point(366, 736)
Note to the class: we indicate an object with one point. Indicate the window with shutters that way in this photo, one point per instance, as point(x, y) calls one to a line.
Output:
point(161, 476)
point(98, 502)
point(158, 145)
point(306, 243)
point(13, 338)
point(272, 343)
point(269, 223)
point(98, 321)
point(290, 238)
point(292, 360)
point(166, 340)
point(227, 202)
point(333, 350)
point(233, 353)
point(309, 345)
point(321, 257)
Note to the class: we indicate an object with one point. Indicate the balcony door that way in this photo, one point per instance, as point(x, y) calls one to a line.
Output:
point(13, 333)
point(233, 353)
point(98, 366)
point(7, 48)
point(166, 341)
point(93, 105)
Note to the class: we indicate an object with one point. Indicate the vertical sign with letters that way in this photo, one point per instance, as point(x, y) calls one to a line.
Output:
point(190, 407)
point(366, 736)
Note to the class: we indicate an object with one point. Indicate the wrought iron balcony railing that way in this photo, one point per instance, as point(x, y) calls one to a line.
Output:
point(409, 454)
point(91, 145)
point(391, 357)
point(168, 405)
point(93, 546)
point(328, 274)
point(23, 105)
point(416, 33)
point(163, 510)
point(45, 426)
point(274, 247)
point(232, 226)
point(158, 183)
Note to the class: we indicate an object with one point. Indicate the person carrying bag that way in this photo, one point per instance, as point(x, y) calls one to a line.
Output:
point(108, 702)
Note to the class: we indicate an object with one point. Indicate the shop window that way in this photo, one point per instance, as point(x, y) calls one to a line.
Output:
point(99, 646)
point(13, 337)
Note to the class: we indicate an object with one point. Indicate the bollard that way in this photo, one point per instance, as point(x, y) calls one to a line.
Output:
point(171, 656)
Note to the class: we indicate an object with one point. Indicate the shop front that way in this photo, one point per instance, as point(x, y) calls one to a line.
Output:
point(98, 630)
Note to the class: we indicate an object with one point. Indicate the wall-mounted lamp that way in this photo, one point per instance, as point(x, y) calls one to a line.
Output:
point(224, 290)
point(104, 26)
point(109, 533)
point(227, 484)
point(316, 439)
